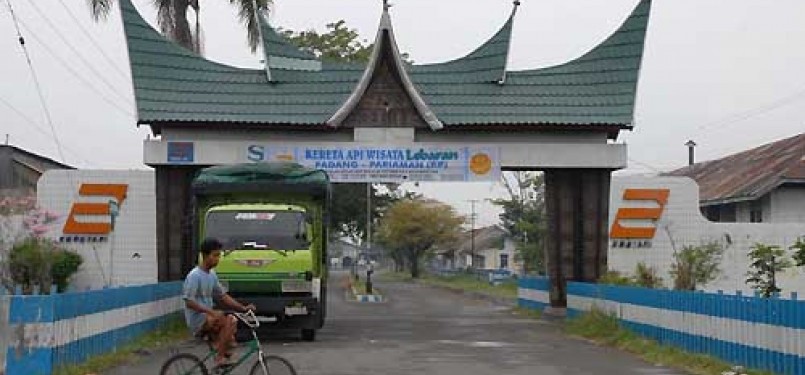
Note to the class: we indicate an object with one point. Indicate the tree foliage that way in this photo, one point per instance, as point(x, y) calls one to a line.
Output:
point(525, 217)
point(412, 228)
point(767, 262)
point(348, 209)
point(799, 252)
point(338, 44)
point(696, 265)
point(173, 21)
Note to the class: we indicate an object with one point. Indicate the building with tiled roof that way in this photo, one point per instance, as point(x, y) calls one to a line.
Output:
point(764, 184)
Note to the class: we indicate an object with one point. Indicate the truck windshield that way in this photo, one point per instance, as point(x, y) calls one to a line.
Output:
point(272, 230)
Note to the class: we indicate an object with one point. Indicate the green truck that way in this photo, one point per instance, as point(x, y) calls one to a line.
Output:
point(272, 220)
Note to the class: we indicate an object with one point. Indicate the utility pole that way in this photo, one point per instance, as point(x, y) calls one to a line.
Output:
point(368, 215)
point(472, 233)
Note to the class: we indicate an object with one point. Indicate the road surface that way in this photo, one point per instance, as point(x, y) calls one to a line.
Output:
point(423, 330)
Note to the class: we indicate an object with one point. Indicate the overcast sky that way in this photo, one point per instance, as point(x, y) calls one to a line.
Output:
point(725, 73)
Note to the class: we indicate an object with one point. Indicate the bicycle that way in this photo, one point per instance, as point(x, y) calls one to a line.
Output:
point(190, 364)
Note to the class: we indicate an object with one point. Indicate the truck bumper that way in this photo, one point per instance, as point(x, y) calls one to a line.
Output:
point(289, 311)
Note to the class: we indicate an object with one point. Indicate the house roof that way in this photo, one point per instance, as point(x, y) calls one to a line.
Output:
point(35, 162)
point(750, 174)
point(486, 238)
point(173, 85)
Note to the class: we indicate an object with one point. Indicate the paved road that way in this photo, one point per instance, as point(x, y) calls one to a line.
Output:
point(422, 330)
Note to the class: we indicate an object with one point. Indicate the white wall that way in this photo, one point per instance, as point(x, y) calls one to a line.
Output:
point(492, 256)
point(682, 222)
point(788, 204)
point(131, 245)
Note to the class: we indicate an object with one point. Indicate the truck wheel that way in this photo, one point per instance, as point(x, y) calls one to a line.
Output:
point(308, 334)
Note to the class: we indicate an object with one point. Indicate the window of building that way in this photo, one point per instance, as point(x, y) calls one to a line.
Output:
point(504, 261)
point(728, 213)
point(756, 212)
point(711, 213)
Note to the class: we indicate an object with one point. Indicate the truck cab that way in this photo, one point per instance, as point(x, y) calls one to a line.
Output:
point(271, 219)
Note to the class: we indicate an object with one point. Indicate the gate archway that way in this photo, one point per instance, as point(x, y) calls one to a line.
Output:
point(561, 120)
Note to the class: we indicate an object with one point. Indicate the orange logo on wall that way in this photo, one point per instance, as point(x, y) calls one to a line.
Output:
point(634, 213)
point(116, 191)
point(480, 164)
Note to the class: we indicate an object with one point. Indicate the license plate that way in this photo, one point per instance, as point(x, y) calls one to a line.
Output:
point(295, 286)
point(301, 310)
point(266, 319)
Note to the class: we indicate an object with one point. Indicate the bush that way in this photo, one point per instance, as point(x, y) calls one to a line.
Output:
point(65, 265)
point(616, 278)
point(647, 277)
point(28, 265)
point(36, 262)
point(696, 265)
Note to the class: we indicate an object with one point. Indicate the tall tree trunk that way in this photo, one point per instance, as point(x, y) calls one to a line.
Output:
point(413, 260)
point(181, 27)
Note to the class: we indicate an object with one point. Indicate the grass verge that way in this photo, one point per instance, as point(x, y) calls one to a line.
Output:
point(529, 313)
point(471, 284)
point(605, 330)
point(464, 282)
point(174, 331)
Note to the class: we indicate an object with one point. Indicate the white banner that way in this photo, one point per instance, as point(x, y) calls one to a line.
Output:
point(426, 163)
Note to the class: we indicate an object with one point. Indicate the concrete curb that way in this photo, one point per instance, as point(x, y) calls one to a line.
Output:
point(351, 296)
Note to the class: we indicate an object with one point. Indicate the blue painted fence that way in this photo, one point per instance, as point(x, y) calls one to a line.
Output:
point(41, 333)
point(761, 333)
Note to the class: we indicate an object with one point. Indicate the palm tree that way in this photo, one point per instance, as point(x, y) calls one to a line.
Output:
point(173, 21)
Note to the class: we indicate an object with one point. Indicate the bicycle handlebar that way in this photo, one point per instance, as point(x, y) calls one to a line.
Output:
point(248, 318)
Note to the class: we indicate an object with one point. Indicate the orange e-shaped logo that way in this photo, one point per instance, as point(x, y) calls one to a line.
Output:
point(634, 213)
point(116, 191)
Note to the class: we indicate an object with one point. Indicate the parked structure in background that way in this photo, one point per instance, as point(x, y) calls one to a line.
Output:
point(21, 169)
point(763, 185)
point(494, 249)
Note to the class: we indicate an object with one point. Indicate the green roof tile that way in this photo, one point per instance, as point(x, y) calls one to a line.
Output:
point(174, 84)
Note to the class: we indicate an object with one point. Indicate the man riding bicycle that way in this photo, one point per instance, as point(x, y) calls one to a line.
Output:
point(201, 290)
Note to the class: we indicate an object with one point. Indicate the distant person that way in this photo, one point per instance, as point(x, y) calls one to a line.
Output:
point(201, 289)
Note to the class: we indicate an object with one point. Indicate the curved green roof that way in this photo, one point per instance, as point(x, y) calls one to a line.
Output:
point(173, 84)
point(270, 177)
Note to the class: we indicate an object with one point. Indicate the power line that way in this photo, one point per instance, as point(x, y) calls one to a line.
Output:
point(92, 39)
point(646, 165)
point(36, 82)
point(81, 57)
point(42, 130)
point(75, 73)
point(741, 116)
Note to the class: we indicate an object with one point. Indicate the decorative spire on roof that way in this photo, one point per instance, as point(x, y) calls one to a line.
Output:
point(261, 23)
point(385, 48)
point(509, 41)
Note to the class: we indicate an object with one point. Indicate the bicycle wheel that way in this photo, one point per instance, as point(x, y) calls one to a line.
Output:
point(183, 364)
point(275, 365)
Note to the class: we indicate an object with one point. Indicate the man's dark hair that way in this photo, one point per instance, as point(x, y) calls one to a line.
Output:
point(209, 245)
